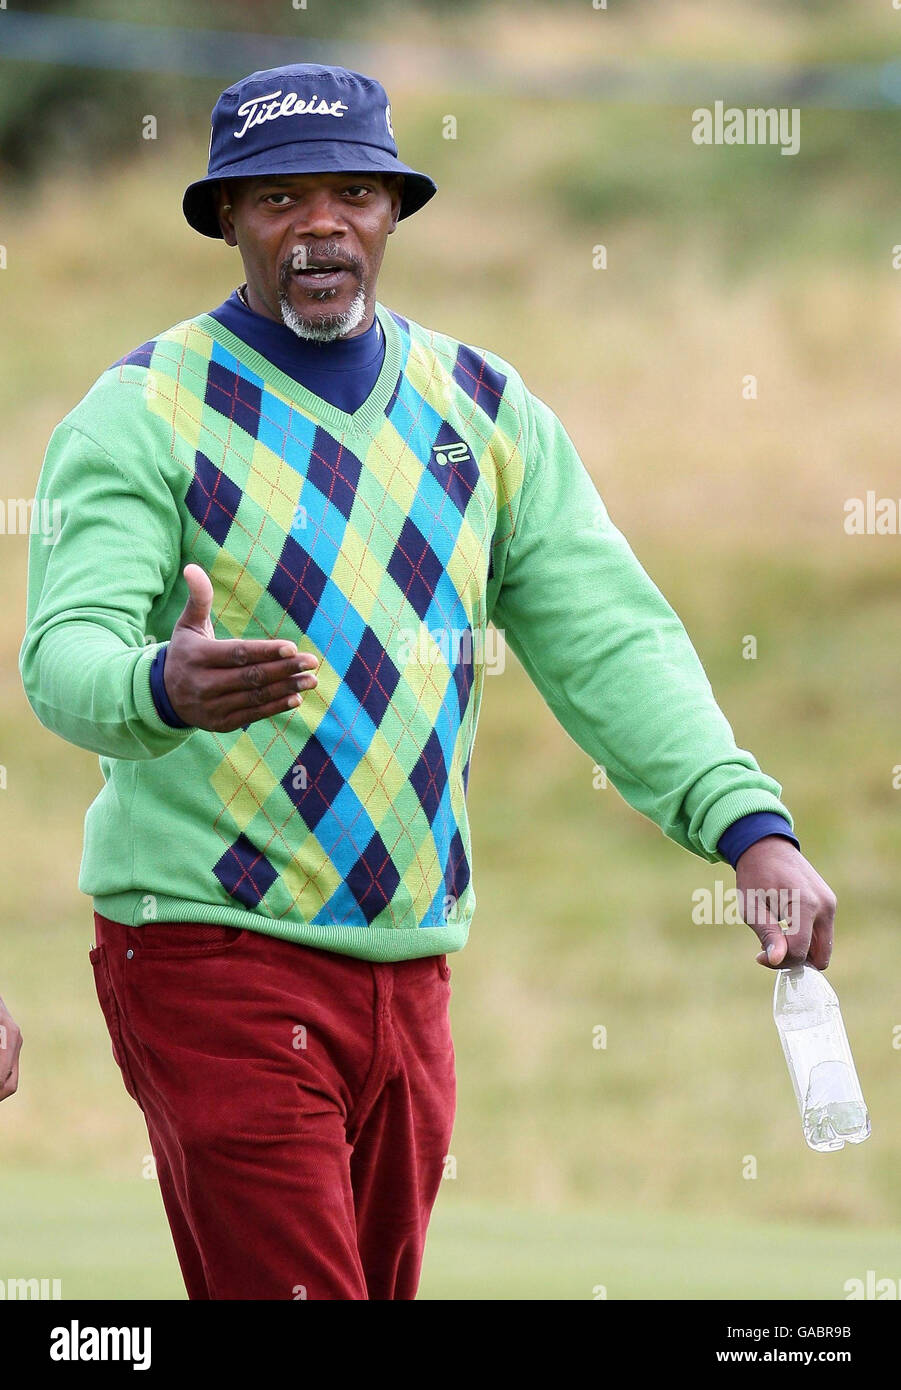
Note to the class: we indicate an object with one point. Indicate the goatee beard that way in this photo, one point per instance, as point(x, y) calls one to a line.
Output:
point(328, 328)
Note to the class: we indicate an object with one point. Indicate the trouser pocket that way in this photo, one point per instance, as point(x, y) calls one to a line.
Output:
point(110, 1009)
point(182, 940)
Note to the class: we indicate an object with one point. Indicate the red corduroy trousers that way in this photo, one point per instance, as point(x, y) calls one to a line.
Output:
point(299, 1104)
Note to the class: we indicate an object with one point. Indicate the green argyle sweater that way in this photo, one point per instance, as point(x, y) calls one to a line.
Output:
point(384, 541)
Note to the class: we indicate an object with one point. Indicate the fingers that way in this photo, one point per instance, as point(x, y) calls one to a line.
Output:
point(11, 1085)
point(228, 652)
point(263, 675)
point(247, 714)
point(804, 934)
point(243, 694)
point(220, 685)
point(823, 933)
point(785, 940)
point(793, 914)
point(235, 652)
point(10, 1047)
point(259, 697)
point(270, 678)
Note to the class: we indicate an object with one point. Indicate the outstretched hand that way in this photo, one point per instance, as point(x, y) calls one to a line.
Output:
point(221, 684)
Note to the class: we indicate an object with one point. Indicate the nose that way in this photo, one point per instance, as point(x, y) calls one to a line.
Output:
point(319, 214)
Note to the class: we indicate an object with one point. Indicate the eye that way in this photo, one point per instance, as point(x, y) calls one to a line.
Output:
point(358, 190)
point(268, 198)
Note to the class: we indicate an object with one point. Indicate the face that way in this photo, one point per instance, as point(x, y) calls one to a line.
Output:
point(312, 245)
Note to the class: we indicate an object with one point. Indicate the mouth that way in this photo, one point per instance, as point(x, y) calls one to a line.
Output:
point(322, 275)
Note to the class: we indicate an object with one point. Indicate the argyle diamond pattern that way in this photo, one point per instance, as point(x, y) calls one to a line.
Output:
point(371, 548)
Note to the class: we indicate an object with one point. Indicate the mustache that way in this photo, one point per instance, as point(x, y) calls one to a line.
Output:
point(311, 257)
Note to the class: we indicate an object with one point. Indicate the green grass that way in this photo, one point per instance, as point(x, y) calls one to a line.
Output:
point(110, 1240)
point(488, 1253)
point(101, 1239)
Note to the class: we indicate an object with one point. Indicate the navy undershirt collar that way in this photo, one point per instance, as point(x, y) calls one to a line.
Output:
point(342, 372)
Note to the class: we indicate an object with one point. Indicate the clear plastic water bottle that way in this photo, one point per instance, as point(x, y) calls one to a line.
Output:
point(807, 1014)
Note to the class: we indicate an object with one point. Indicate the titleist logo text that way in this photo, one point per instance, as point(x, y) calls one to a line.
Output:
point(273, 105)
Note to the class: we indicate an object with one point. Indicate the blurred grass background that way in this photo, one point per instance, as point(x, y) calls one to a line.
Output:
point(575, 1167)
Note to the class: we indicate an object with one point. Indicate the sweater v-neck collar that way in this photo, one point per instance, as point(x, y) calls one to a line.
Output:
point(358, 422)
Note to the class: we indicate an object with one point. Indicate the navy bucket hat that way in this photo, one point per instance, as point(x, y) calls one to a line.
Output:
point(301, 119)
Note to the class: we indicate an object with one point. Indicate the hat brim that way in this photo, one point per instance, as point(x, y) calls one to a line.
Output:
point(308, 157)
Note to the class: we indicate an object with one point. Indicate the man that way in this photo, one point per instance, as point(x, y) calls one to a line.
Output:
point(304, 495)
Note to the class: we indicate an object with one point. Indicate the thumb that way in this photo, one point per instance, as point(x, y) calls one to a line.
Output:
point(196, 612)
point(772, 939)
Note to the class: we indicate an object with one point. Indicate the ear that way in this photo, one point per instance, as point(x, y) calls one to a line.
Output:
point(225, 213)
point(395, 186)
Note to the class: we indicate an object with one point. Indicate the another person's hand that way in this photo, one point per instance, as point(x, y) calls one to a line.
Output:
point(773, 874)
point(10, 1047)
point(220, 684)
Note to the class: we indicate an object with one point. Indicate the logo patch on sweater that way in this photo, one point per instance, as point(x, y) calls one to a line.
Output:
point(455, 452)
